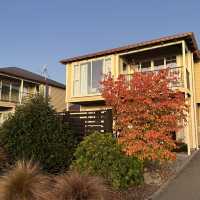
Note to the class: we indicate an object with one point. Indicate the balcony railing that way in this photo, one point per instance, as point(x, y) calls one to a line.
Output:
point(27, 96)
point(176, 72)
point(16, 97)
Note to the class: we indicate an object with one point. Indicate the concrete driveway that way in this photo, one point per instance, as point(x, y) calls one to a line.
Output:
point(186, 186)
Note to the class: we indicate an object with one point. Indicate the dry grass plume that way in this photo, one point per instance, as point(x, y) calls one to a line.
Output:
point(24, 182)
point(73, 186)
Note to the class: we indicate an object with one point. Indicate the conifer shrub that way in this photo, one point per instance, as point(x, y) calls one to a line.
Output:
point(35, 132)
point(3, 159)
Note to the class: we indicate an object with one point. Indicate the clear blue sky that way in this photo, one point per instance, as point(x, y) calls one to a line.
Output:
point(38, 32)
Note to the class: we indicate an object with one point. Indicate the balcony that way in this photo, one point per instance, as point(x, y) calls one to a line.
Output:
point(176, 72)
point(27, 96)
point(15, 97)
point(17, 91)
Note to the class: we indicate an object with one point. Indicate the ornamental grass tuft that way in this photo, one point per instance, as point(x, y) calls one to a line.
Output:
point(24, 182)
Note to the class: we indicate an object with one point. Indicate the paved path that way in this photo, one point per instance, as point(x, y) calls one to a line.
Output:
point(186, 186)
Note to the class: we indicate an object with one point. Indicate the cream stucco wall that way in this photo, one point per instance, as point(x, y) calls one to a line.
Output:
point(197, 81)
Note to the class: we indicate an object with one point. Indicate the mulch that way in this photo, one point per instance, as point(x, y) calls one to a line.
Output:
point(144, 191)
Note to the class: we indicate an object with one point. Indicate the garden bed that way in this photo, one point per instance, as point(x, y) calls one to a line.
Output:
point(162, 174)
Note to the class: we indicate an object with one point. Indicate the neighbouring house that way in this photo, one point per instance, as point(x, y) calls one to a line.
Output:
point(178, 52)
point(17, 85)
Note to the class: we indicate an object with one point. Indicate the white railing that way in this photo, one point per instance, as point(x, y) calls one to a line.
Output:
point(17, 98)
point(176, 72)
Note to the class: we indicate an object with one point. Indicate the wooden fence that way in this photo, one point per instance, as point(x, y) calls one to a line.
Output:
point(86, 122)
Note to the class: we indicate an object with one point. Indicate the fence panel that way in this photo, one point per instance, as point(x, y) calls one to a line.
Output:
point(86, 122)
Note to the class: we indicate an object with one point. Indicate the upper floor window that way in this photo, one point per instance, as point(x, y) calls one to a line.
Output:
point(5, 90)
point(25, 90)
point(171, 61)
point(87, 76)
point(124, 68)
point(95, 76)
point(145, 66)
point(15, 92)
point(85, 79)
point(107, 68)
point(76, 80)
point(158, 63)
point(10, 90)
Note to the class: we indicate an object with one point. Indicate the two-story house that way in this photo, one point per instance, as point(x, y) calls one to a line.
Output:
point(178, 52)
point(17, 85)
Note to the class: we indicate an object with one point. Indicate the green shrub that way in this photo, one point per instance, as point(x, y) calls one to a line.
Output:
point(3, 159)
point(35, 132)
point(180, 147)
point(101, 155)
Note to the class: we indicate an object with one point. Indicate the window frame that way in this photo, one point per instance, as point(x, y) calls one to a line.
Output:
point(153, 67)
point(158, 67)
point(79, 75)
point(78, 78)
point(8, 83)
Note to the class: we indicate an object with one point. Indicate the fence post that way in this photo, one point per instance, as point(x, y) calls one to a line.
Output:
point(66, 116)
point(108, 121)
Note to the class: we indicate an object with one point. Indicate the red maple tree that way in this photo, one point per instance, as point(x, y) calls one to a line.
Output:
point(146, 110)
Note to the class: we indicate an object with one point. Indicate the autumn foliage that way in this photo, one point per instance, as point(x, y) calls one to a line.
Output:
point(146, 111)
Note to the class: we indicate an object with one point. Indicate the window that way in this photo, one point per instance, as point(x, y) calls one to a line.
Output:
point(25, 90)
point(145, 65)
point(90, 76)
point(171, 61)
point(97, 72)
point(76, 80)
point(125, 68)
point(15, 92)
point(87, 76)
point(158, 63)
point(107, 69)
point(5, 91)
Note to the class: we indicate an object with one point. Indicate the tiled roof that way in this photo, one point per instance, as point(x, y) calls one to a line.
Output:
point(188, 36)
point(25, 74)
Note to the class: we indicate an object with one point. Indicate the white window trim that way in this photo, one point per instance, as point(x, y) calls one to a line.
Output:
point(79, 75)
point(152, 62)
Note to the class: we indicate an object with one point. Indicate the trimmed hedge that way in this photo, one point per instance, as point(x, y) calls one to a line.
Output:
point(101, 155)
point(35, 132)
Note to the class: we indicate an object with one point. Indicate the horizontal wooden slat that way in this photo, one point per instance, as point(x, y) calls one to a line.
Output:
point(85, 122)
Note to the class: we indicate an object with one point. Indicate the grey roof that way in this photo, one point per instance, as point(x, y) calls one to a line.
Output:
point(25, 74)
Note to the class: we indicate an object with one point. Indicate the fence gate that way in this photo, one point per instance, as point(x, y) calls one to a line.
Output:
point(86, 122)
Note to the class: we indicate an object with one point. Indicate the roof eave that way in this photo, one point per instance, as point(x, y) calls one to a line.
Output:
point(186, 36)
